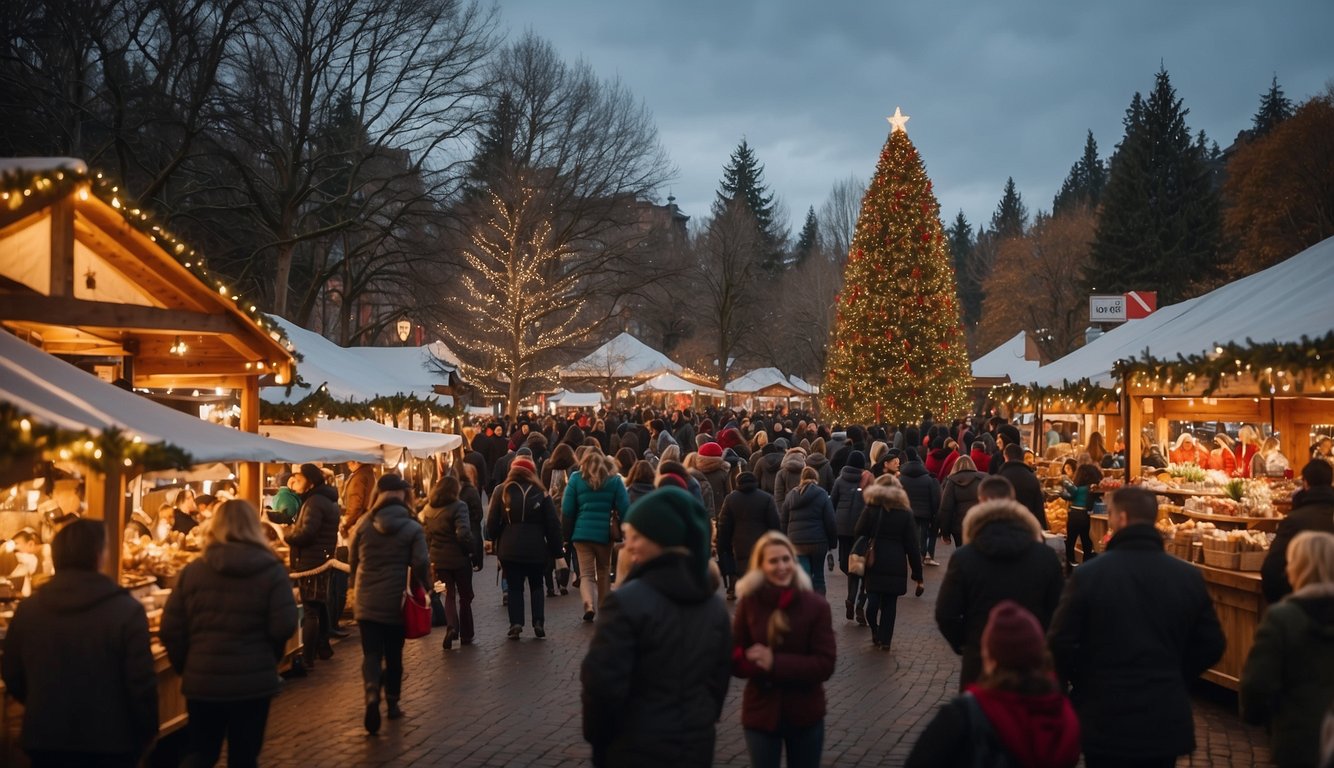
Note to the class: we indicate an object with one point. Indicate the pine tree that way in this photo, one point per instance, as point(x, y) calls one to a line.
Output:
point(1274, 109)
point(809, 240)
point(743, 178)
point(961, 244)
point(898, 349)
point(1084, 184)
point(1011, 216)
point(1158, 228)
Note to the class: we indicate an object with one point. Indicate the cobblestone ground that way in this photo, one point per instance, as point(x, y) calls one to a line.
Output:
point(501, 703)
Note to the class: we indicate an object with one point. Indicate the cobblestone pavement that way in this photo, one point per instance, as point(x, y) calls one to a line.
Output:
point(501, 702)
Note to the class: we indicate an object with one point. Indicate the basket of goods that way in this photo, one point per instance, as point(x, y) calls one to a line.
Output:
point(1240, 550)
point(1058, 514)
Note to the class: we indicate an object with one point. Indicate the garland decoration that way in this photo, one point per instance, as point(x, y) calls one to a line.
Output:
point(25, 442)
point(1276, 368)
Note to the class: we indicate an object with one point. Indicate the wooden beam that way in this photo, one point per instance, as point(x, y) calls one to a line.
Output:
point(62, 247)
point(168, 381)
point(150, 367)
point(78, 313)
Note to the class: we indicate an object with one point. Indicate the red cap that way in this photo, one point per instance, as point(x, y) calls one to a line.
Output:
point(711, 449)
point(524, 463)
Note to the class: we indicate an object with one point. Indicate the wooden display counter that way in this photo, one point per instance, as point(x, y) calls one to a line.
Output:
point(1240, 605)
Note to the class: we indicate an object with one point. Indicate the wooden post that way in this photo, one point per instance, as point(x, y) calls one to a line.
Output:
point(62, 247)
point(251, 475)
point(1134, 420)
point(105, 495)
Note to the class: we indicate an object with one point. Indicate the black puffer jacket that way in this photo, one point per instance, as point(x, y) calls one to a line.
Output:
point(227, 622)
point(766, 468)
point(847, 500)
point(314, 536)
point(657, 670)
point(1027, 489)
point(808, 519)
point(77, 655)
point(747, 513)
point(449, 536)
point(385, 544)
point(523, 522)
point(789, 473)
point(922, 489)
point(819, 463)
point(887, 519)
point(1004, 559)
point(960, 495)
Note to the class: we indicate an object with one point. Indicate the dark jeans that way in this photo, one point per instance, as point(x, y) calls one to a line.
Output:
point(45, 759)
point(314, 629)
point(381, 659)
point(814, 565)
point(926, 536)
point(458, 599)
point(804, 746)
point(855, 591)
point(1104, 761)
point(241, 723)
point(515, 575)
point(1077, 527)
point(881, 610)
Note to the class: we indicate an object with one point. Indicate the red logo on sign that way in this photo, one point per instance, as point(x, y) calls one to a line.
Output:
point(1140, 304)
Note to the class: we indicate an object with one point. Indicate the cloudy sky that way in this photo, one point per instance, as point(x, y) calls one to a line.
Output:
point(994, 89)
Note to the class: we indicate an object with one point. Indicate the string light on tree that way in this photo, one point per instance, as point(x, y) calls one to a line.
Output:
point(897, 350)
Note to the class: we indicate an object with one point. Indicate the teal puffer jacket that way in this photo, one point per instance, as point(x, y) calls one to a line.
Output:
point(586, 513)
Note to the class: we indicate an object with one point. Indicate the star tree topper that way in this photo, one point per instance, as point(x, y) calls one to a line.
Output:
point(899, 121)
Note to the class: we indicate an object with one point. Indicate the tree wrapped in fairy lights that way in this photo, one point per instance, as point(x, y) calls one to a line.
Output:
point(897, 351)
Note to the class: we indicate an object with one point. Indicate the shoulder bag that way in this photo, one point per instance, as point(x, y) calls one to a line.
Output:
point(862, 554)
point(416, 610)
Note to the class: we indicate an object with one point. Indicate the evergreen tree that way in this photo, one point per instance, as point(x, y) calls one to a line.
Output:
point(898, 348)
point(809, 240)
point(1274, 109)
point(1011, 216)
point(743, 179)
point(961, 244)
point(1084, 184)
point(1158, 228)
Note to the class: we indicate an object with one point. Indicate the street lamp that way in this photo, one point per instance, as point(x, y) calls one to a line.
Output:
point(404, 330)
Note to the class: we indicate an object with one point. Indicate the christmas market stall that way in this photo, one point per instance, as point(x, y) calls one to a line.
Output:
point(766, 386)
point(677, 392)
point(618, 365)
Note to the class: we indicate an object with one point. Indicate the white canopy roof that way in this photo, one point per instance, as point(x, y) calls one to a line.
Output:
point(570, 399)
point(1279, 304)
point(670, 382)
point(1007, 361)
point(764, 378)
point(624, 357)
point(62, 395)
point(363, 373)
point(419, 443)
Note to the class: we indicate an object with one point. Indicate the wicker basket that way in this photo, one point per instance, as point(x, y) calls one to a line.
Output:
point(1217, 559)
point(1251, 561)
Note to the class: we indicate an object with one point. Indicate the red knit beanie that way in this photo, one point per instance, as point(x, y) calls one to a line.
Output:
point(523, 462)
point(711, 449)
point(1013, 637)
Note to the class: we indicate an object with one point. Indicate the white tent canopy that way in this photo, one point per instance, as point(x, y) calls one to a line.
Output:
point(764, 378)
point(62, 395)
point(1279, 304)
point(418, 443)
point(359, 374)
point(1007, 361)
point(624, 357)
point(670, 382)
point(568, 399)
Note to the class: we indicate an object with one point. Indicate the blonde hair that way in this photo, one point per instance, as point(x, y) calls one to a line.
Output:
point(236, 521)
point(963, 464)
point(1248, 435)
point(1311, 559)
point(1270, 445)
point(809, 476)
point(779, 624)
point(594, 469)
point(761, 439)
point(878, 451)
point(671, 453)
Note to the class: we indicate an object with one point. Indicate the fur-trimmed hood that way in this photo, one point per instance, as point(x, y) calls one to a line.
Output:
point(753, 580)
point(794, 460)
point(999, 510)
point(887, 496)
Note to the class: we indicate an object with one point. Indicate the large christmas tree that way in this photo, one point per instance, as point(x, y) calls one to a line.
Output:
point(898, 347)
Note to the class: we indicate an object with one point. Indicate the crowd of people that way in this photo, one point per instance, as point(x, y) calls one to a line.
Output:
point(659, 522)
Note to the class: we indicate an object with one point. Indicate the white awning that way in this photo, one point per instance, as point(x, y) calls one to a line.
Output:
point(419, 443)
point(62, 395)
point(764, 378)
point(670, 382)
point(1007, 361)
point(624, 357)
point(567, 399)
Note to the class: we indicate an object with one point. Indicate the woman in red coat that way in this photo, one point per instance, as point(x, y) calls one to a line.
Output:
point(783, 645)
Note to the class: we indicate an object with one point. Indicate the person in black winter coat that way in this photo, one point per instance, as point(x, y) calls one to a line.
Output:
point(924, 496)
point(1027, 486)
point(1001, 557)
point(77, 656)
point(746, 514)
point(1312, 510)
point(455, 554)
point(523, 522)
point(848, 504)
point(313, 539)
point(225, 627)
point(767, 467)
point(658, 667)
point(888, 521)
point(959, 496)
point(807, 517)
point(1133, 629)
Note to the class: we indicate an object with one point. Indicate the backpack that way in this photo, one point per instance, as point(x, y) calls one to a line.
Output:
point(987, 750)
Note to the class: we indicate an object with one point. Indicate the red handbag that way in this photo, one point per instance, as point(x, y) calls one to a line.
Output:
point(416, 612)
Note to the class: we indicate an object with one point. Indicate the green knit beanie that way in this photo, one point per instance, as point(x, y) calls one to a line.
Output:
point(671, 517)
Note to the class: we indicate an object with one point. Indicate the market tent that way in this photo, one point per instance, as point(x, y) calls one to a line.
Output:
point(670, 382)
point(1012, 361)
point(418, 443)
point(567, 399)
point(767, 382)
point(61, 394)
point(1094, 360)
point(360, 374)
point(802, 384)
point(624, 357)
point(376, 451)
